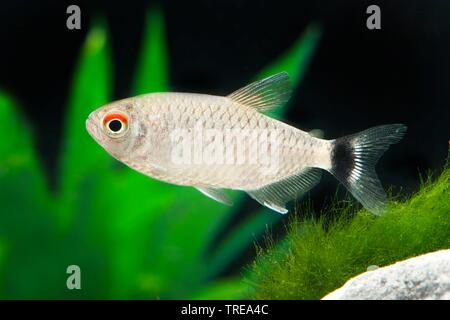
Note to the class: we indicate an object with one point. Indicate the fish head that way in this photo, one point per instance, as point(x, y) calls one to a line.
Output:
point(116, 127)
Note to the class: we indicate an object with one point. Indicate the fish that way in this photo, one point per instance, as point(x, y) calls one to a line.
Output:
point(214, 143)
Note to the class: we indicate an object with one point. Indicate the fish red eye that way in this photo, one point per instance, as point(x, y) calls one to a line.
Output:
point(115, 123)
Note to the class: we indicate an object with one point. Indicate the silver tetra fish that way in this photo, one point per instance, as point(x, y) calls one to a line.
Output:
point(215, 142)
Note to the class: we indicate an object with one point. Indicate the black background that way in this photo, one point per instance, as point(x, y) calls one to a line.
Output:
point(358, 78)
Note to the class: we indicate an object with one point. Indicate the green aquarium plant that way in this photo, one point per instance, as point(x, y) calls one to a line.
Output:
point(318, 256)
point(131, 236)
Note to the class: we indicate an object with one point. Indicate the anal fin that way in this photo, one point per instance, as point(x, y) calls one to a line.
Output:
point(276, 195)
point(217, 194)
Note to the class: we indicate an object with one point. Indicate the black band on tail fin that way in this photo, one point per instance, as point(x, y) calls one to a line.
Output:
point(354, 158)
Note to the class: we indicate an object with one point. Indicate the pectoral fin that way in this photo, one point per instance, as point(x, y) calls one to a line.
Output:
point(216, 194)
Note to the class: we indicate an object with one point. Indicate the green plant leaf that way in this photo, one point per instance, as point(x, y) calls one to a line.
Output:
point(20, 171)
point(239, 239)
point(81, 156)
point(295, 60)
point(27, 212)
point(152, 69)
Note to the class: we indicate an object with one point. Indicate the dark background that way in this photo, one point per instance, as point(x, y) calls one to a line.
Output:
point(358, 78)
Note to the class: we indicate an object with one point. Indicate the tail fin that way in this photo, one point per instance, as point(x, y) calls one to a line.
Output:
point(354, 158)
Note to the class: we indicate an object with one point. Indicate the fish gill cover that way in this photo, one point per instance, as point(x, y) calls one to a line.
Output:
point(132, 236)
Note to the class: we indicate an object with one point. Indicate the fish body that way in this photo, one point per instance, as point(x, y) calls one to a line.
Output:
point(226, 142)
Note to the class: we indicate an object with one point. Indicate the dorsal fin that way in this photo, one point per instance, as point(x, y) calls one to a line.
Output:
point(275, 195)
point(265, 94)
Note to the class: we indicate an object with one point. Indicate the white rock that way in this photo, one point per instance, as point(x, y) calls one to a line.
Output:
point(424, 277)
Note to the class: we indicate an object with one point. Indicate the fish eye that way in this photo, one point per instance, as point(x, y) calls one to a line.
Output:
point(115, 124)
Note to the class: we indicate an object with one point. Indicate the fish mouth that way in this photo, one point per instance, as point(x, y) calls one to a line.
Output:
point(92, 127)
